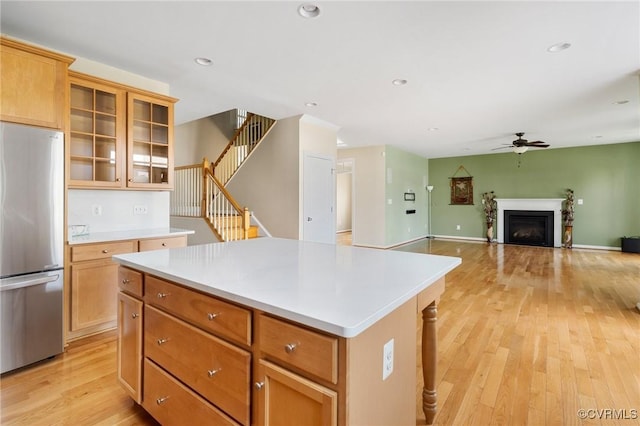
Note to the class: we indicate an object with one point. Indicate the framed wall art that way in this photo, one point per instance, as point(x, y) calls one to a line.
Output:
point(461, 189)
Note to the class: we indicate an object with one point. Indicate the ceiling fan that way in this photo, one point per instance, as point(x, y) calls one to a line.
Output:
point(520, 146)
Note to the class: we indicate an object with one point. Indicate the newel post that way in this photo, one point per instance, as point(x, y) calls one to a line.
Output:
point(203, 200)
point(246, 222)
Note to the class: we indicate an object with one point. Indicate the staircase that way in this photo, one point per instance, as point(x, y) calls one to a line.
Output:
point(200, 189)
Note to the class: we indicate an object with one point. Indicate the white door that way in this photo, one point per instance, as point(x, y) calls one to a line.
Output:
point(318, 198)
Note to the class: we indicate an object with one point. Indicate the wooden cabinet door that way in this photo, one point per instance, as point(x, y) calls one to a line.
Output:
point(284, 398)
point(130, 345)
point(94, 289)
point(97, 133)
point(33, 89)
point(149, 142)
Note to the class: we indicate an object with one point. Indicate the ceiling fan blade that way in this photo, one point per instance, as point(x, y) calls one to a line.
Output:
point(539, 145)
point(502, 147)
point(535, 143)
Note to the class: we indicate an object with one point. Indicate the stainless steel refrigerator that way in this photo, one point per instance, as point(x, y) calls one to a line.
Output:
point(32, 246)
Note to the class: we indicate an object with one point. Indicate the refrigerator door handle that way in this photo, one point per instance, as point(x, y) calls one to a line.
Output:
point(29, 282)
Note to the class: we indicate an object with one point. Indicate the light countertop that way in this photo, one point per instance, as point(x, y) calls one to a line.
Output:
point(338, 289)
point(136, 234)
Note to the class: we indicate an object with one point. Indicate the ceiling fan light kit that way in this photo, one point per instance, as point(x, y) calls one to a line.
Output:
point(520, 149)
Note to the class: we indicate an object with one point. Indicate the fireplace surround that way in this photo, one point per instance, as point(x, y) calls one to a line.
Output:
point(553, 205)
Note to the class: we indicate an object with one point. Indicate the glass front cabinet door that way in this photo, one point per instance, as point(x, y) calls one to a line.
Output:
point(97, 132)
point(150, 142)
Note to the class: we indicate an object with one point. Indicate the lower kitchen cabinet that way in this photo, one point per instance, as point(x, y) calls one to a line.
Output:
point(285, 398)
point(172, 403)
point(93, 282)
point(93, 287)
point(93, 291)
point(130, 345)
point(217, 370)
point(199, 353)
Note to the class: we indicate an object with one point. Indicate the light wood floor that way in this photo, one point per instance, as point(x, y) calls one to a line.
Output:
point(526, 336)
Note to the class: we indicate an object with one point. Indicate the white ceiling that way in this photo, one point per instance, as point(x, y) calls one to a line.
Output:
point(477, 71)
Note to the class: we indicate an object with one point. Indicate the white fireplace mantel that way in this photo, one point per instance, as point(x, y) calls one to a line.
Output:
point(542, 204)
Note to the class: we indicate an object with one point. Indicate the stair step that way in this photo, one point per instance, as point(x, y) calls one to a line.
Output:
point(253, 230)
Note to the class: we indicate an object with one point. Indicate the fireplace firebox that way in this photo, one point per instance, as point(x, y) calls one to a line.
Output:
point(528, 227)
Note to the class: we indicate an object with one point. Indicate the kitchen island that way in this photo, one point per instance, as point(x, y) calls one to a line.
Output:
point(326, 334)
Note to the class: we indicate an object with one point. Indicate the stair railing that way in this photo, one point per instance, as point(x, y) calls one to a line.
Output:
point(244, 141)
point(224, 215)
point(186, 198)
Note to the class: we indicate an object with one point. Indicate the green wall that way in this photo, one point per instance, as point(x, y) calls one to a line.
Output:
point(606, 177)
point(405, 172)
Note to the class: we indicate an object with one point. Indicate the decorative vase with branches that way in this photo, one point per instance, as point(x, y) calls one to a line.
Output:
point(490, 207)
point(567, 218)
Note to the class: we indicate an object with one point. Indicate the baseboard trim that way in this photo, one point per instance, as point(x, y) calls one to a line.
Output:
point(392, 245)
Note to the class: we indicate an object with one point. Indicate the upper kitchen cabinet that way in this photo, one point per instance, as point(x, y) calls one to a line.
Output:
point(149, 142)
point(119, 136)
point(34, 85)
point(97, 133)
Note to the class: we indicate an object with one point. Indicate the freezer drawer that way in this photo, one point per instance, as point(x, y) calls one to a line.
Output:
point(31, 323)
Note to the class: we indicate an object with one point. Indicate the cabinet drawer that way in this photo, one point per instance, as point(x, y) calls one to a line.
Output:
point(171, 403)
point(221, 318)
point(101, 250)
point(215, 369)
point(309, 351)
point(130, 281)
point(162, 243)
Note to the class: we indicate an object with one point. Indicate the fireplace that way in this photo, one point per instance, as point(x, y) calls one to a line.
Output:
point(531, 205)
point(528, 227)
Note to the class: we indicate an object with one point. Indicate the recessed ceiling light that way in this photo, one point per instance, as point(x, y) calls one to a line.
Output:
point(311, 104)
point(308, 10)
point(622, 102)
point(432, 129)
point(399, 82)
point(203, 61)
point(559, 47)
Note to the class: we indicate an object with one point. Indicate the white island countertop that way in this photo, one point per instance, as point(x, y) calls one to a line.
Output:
point(338, 289)
point(134, 234)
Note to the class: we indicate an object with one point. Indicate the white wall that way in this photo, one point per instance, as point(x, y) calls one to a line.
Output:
point(268, 182)
point(369, 195)
point(202, 233)
point(206, 137)
point(110, 73)
point(117, 209)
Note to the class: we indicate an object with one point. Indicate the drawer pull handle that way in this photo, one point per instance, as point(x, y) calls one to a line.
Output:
point(105, 251)
point(164, 244)
point(212, 373)
point(162, 295)
point(290, 347)
point(161, 400)
point(259, 385)
point(162, 340)
point(211, 317)
point(135, 315)
point(125, 281)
